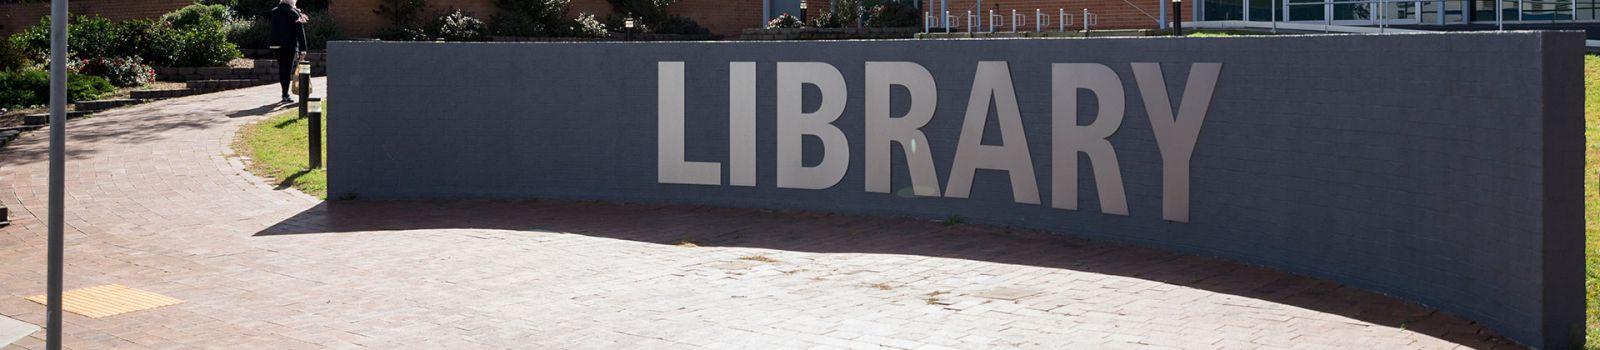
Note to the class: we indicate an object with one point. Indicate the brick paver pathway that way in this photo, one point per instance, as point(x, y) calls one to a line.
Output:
point(158, 201)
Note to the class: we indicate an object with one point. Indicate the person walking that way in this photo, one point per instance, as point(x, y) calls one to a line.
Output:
point(288, 41)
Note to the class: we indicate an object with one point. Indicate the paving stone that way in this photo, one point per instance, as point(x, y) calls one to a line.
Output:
point(12, 330)
point(1005, 293)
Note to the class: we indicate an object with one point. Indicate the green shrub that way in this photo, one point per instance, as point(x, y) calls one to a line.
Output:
point(86, 87)
point(123, 72)
point(91, 36)
point(846, 12)
point(189, 17)
point(34, 42)
point(13, 58)
point(827, 20)
point(321, 29)
point(24, 88)
point(249, 33)
point(532, 18)
point(31, 87)
point(252, 9)
point(651, 16)
point(681, 25)
point(405, 19)
point(893, 14)
point(205, 44)
point(458, 25)
point(648, 13)
point(223, 3)
point(159, 45)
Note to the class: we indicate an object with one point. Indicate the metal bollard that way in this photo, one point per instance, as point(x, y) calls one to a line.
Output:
point(314, 131)
point(1064, 19)
point(313, 120)
point(1086, 22)
point(304, 68)
point(1040, 20)
point(969, 21)
point(993, 21)
point(1013, 20)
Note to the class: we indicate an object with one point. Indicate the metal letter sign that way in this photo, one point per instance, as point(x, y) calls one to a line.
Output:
point(1176, 131)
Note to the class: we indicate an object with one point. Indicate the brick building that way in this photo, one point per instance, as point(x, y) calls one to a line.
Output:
point(1113, 14)
point(722, 17)
point(16, 17)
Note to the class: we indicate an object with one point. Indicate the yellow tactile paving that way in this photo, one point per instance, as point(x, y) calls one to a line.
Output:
point(108, 300)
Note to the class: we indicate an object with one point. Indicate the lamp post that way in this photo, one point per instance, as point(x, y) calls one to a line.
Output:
point(1177, 18)
point(802, 13)
point(314, 132)
point(58, 171)
point(627, 25)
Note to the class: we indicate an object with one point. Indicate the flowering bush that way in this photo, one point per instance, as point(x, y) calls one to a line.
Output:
point(785, 20)
point(458, 25)
point(123, 72)
point(585, 26)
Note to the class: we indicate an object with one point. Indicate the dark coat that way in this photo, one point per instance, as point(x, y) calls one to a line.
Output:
point(286, 31)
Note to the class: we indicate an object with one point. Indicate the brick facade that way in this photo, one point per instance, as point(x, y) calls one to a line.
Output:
point(17, 17)
point(722, 17)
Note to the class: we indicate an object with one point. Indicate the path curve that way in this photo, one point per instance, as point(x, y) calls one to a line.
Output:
point(158, 201)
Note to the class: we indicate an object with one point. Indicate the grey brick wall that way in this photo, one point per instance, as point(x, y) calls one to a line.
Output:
point(1439, 168)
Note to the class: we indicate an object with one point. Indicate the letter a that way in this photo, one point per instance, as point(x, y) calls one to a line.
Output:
point(993, 83)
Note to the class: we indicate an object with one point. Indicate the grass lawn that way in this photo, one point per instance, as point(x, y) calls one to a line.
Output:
point(277, 148)
point(1591, 199)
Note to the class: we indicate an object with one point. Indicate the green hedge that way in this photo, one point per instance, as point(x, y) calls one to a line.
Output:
point(203, 42)
point(191, 16)
point(31, 87)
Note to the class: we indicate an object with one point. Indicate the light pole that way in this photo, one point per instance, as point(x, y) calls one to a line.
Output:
point(627, 25)
point(1177, 17)
point(802, 13)
point(58, 171)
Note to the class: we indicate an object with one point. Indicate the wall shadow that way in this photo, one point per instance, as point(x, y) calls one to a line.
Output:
point(815, 232)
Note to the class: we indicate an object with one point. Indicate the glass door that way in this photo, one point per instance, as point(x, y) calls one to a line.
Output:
point(1305, 10)
point(1454, 12)
point(1354, 12)
point(1402, 12)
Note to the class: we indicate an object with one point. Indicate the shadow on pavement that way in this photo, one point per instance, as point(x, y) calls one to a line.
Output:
point(814, 232)
point(262, 110)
